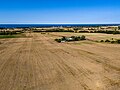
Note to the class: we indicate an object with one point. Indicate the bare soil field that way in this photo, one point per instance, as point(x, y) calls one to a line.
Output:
point(40, 63)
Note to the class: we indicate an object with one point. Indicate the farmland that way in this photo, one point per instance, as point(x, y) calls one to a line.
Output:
point(37, 62)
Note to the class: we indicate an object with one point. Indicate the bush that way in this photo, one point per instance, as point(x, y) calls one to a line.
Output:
point(113, 41)
point(73, 37)
point(63, 38)
point(119, 27)
point(58, 40)
point(77, 39)
point(82, 37)
point(118, 41)
point(107, 40)
point(102, 41)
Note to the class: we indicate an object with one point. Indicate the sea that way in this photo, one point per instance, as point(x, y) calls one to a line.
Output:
point(51, 25)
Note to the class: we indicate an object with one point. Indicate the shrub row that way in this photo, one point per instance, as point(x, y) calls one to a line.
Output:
point(101, 31)
point(10, 33)
point(107, 32)
point(53, 30)
point(111, 41)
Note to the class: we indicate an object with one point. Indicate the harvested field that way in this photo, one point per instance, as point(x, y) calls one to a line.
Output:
point(40, 63)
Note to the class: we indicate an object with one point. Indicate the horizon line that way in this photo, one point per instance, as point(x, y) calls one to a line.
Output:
point(59, 23)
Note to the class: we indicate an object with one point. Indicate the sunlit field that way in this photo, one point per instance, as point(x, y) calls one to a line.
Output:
point(38, 62)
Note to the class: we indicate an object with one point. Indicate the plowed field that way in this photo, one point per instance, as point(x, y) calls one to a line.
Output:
point(40, 63)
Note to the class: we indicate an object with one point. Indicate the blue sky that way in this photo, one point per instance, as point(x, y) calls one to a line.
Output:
point(60, 11)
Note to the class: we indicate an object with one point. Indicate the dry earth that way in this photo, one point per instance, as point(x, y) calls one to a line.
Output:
point(40, 63)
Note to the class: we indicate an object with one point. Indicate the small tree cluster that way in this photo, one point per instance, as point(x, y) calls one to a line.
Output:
point(72, 38)
point(119, 28)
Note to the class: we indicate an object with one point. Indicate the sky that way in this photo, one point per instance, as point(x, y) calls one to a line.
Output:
point(59, 11)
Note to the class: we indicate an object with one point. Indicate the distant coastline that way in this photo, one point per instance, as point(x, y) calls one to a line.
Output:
point(52, 25)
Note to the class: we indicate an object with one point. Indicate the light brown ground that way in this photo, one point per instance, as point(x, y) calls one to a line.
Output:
point(40, 63)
